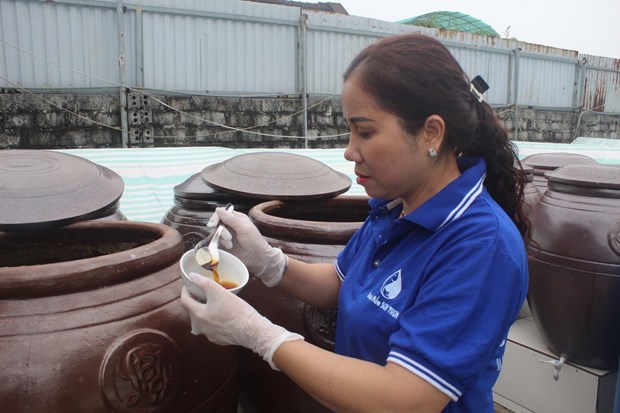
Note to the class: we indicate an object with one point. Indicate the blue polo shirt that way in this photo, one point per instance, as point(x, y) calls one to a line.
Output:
point(437, 290)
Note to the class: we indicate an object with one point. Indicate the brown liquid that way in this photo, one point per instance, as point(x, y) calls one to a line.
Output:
point(226, 284)
point(216, 276)
point(229, 285)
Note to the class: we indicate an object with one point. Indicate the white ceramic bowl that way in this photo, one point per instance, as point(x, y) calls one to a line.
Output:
point(230, 269)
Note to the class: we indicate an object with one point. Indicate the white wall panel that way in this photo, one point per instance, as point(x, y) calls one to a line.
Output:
point(48, 45)
point(223, 46)
point(248, 57)
point(333, 42)
point(545, 82)
point(493, 65)
point(245, 48)
point(602, 84)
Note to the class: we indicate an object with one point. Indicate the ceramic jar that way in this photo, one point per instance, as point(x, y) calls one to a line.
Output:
point(311, 231)
point(91, 321)
point(574, 262)
point(193, 204)
point(531, 193)
point(244, 181)
point(531, 196)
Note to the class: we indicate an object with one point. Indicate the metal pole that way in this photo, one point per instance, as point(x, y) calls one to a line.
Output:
point(579, 83)
point(509, 82)
point(121, 71)
point(515, 97)
point(140, 46)
point(303, 78)
point(580, 94)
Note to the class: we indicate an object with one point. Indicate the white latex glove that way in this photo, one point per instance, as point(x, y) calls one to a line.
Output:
point(227, 319)
point(263, 260)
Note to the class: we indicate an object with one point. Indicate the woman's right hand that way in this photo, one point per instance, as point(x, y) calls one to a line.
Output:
point(242, 239)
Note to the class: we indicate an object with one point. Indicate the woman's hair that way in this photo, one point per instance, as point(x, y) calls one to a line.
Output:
point(414, 76)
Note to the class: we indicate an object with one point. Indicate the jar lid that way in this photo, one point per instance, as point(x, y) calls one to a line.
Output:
point(276, 175)
point(592, 176)
point(42, 189)
point(527, 169)
point(542, 162)
point(195, 188)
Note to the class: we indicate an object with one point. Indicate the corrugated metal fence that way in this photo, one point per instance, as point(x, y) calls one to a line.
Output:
point(242, 48)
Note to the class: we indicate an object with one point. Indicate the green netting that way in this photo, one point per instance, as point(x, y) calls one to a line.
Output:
point(452, 20)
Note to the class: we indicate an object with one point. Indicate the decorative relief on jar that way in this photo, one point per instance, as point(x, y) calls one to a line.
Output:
point(141, 373)
point(614, 238)
point(190, 239)
point(321, 325)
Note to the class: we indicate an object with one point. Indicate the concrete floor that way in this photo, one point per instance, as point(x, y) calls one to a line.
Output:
point(501, 409)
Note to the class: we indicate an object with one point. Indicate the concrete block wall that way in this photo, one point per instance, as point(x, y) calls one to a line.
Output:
point(61, 121)
point(270, 123)
point(537, 125)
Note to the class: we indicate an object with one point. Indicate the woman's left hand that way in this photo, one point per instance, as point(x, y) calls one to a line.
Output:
point(227, 319)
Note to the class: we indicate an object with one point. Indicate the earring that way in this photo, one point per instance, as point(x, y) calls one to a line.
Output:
point(432, 152)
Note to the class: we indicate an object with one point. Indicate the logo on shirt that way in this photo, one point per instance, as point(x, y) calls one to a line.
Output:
point(392, 286)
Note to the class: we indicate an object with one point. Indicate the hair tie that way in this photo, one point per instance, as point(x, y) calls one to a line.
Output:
point(477, 87)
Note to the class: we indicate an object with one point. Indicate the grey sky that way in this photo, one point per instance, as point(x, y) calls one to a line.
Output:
point(591, 27)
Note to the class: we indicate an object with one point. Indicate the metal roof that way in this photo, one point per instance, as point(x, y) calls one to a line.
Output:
point(452, 20)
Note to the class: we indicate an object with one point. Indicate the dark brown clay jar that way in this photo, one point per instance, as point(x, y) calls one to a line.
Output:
point(193, 204)
point(546, 162)
point(311, 231)
point(91, 321)
point(531, 196)
point(574, 262)
point(244, 181)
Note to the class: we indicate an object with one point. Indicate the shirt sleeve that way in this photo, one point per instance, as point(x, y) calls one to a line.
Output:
point(454, 331)
point(344, 258)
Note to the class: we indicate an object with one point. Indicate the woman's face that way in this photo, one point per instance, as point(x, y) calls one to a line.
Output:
point(389, 162)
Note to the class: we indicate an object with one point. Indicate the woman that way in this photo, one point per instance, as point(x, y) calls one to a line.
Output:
point(428, 287)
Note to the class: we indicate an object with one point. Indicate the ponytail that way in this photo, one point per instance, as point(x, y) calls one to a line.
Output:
point(505, 179)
